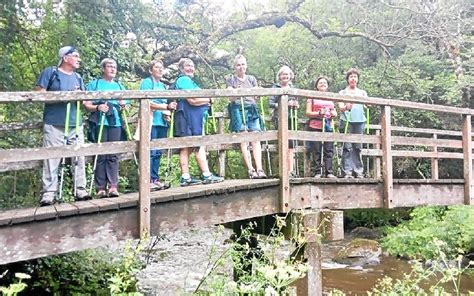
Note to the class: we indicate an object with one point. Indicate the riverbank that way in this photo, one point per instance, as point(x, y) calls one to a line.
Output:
point(179, 262)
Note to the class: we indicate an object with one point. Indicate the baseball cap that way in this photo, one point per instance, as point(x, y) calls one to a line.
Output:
point(64, 51)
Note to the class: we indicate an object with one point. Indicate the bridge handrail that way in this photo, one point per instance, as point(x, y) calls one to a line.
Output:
point(384, 141)
point(16, 97)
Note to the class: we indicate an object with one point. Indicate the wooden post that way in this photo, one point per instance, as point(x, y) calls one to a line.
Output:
point(434, 161)
point(283, 153)
point(387, 161)
point(144, 165)
point(333, 225)
point(378, 167)
point(221, 153)
point(467, 151)
point(313, 254)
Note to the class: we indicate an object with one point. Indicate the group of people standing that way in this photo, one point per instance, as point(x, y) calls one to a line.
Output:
point(63, 124)
point(322, 114)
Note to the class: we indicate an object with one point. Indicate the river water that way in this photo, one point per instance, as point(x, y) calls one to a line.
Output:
point(179, 261)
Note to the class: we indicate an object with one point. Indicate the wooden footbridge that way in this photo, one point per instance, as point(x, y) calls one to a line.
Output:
point(35, 232)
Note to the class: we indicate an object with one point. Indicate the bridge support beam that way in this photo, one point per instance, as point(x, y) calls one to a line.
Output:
point(311, 222)
point(144, 170)
point(387, 161)
point(467, 151)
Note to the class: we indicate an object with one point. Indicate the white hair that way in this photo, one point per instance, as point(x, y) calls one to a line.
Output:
point(285, 69)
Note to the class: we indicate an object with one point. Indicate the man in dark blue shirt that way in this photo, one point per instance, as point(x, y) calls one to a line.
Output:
point(62, 78)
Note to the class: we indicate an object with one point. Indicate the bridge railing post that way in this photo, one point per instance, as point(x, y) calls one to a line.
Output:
point(144, 169)
point(387, 161)
point(377, 166)
point(221, 153)
point(467, 153)
point(434, 161)
point(282, 154)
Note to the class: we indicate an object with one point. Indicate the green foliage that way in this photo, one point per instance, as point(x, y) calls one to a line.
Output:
point(444, 273)
point(15, 288)
point(412, 283)
point(373, 218)
point(88, 272)
point(78, 272)
point(255, 271)
point(122, 280)
point(417, 238)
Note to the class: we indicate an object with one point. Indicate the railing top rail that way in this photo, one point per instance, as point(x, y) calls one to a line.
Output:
point(380, 101)
point(15, 97)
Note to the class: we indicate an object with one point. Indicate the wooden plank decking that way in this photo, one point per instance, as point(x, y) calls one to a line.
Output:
point(36, 232)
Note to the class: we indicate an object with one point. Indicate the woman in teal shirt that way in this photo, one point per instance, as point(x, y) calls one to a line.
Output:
point(352, 122)
point(161, 115)
point(107, 113)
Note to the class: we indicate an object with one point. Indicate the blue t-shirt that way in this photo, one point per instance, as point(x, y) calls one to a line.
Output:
point(55, 113)
point(149, 84)
point(356, 114)
point(112, 118)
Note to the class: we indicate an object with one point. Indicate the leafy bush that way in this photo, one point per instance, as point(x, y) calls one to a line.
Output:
point(416, 238)
point(88, 272)
point(79, 272)
point(258, 265)
point(373, 217)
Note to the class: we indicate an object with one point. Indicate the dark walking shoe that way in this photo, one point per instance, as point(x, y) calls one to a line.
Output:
point(189, 181)
point(211, 179)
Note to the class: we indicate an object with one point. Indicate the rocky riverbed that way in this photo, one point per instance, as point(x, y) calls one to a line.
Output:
point(179, 261)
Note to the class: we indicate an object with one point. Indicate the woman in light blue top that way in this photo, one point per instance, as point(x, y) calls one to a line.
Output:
point(161, 116)
point(107, 114)
point(352, 122)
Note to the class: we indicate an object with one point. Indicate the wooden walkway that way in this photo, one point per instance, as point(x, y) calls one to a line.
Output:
point(42, 231)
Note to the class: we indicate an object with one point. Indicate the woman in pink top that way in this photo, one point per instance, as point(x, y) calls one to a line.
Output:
point(321, 113)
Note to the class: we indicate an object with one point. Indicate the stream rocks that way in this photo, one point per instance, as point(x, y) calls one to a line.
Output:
point(359, 252)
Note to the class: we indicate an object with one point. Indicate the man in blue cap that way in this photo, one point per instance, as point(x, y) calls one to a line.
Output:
point(55, 118)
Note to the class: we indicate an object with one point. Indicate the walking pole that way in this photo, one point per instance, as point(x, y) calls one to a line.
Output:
point(129, 134)
point(367, 129)
point(322, 145)
point(292, 128)
point(295, 142)
point(168, 160)
point(99, 140)
point(76, 160)
point(269, 162)
point(338, 160)
point(214, 123)
point(63, 162)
